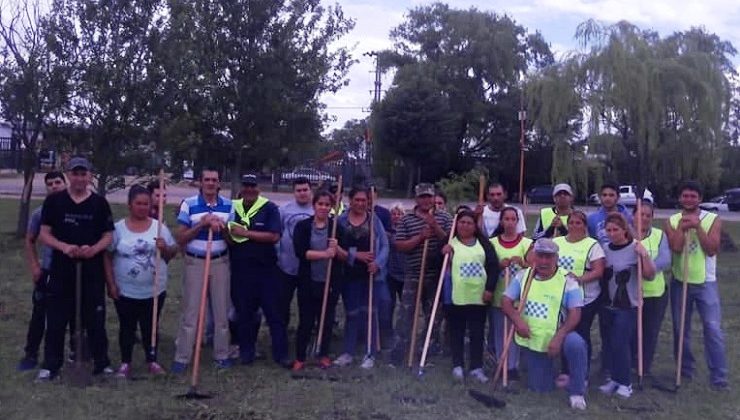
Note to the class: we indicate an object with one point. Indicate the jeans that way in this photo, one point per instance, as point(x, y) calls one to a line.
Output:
point(288, 286)
point(706, 298)
point(620, 328)
point(37, 324)
point(470, 318)
point(133, 314)
point(541, 368)
point(588, 313)
point(496, 338)
point(355, 297)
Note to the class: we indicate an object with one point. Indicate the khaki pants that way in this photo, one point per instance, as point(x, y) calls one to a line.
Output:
point(219, 287)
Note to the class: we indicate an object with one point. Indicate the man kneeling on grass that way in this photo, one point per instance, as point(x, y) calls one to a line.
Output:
point(554, 295)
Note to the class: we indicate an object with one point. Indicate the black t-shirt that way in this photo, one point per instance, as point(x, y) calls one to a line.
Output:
point(81, 223)
point(267, 219)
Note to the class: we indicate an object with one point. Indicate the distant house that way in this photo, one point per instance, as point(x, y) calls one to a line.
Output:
point(10, 147)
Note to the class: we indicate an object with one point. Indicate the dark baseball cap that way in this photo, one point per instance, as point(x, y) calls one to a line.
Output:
point(249, 179)
point(79, 162)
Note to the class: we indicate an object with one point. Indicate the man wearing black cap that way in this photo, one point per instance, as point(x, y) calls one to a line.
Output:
point(254, 274)
point(412, 231)
point(77, 224)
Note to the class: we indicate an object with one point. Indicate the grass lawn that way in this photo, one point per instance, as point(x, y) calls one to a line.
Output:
point(264, 391)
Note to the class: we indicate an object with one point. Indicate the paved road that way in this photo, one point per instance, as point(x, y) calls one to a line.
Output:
point(12, 186)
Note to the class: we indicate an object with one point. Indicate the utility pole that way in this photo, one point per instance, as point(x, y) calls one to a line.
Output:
point(522, 119)
point(376, 100)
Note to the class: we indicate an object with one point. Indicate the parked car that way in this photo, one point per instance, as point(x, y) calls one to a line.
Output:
point(718, 203)
point(541, 194)
point(628, 195)
point(313, 175)
point(732, 198)
point(594, 199)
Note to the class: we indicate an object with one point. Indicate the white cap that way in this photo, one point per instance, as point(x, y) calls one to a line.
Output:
point(562, 187)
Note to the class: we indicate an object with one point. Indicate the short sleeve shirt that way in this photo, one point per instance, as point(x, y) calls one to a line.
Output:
point(33, 229)
point(192, 209)
point(411, 225)
point(267, 219)
point(572, 296)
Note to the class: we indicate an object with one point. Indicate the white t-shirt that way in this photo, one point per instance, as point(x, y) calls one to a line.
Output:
point(491, 220)
point(592, 289)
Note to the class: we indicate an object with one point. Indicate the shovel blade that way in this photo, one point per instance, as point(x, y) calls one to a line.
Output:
point(193, 394)
point(486, 399)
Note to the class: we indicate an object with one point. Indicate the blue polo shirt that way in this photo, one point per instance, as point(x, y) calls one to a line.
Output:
point(192, 209)
point(267, 219)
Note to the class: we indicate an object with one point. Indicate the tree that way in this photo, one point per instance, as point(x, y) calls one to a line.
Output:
point(254, 72)
point(33, 86)
point(112, 43)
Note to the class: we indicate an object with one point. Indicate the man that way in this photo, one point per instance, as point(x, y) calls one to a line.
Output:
point(491, 212)
point(199, 213)
point(703, 232)
point(39, 267)
point(609, 197)
point(554, 295)
point(290, 214)
point(254, 274)
point(78, 225)
point(156, 192)
point(554, 220)
point(412, 230)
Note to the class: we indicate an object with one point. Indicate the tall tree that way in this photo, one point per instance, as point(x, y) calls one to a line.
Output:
point(33, 86)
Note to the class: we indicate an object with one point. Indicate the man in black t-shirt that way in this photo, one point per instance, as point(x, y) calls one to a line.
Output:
point(77, 224)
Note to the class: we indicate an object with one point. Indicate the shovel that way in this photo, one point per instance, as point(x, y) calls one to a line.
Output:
point(80, 375)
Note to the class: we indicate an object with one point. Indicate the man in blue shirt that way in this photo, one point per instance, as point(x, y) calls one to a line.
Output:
point(254, 274)
point(199, 213)
point(39, 266)
point(609, 196)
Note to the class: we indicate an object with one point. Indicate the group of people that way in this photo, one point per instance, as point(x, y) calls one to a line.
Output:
point(260, 256)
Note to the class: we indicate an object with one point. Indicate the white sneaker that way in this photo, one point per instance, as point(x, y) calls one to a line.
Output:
point(609, 387)
point(343, 360)
point(624, 391)
point(44, 375)
point(368, 362)
point(577, 402)
point(479, 375)
point(457, 373)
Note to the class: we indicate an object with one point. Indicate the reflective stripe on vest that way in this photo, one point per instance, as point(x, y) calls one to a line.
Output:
point(520, 250)
point(547, 215)
point(542, 310)
point(698, 260)
point(468, 273)
point(656, 286)
point(333, 210)
point(245, 216)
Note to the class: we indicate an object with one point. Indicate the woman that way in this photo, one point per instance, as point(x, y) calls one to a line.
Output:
point(582, 256)
point(315, 251)
point(363, 259)
point(396, 267)
point(511, 248)
point(474, 272)
point(440, 201)
point(129, 266)
point(655, 298)
point(620, 313)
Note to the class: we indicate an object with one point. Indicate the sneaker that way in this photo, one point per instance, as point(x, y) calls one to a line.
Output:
point(324, 362)
point(123, 371)
point(234, 352)
point(562, 380)
point(71, 357)
point(26, 363)
point(720, 387)
point(368, 362)
point(577, 402)
point(624, 391)
point(457, 373)
point(224, 363)
point(297, 366)
point(479, 375)
point(178, 368)
point(105, 370)
point(45, 375)
point(156, 369)
point(609, 387)
point(343, 360)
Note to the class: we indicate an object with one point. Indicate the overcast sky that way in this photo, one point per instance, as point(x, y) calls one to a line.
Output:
point(555, 19)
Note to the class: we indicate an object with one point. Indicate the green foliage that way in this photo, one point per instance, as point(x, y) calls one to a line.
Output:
point(462, 188)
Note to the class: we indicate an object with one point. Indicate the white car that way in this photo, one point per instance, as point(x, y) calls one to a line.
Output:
point(715, 204)
point(313, 175)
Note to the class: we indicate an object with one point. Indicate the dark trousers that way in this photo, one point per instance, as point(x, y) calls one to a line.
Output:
point(60, 310)
point(470, 318)
point(395, 287)
point(405, 321)
point(133, 313)
point(37, 324)
point(256, 287)
point(653, 312)
point(588, 314)
point(310, 299)
point(288, 286)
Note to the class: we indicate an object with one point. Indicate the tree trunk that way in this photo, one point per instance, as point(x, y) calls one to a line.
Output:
point(29, 171)
point(103, 183)
point(236, 175)
point(410, 183)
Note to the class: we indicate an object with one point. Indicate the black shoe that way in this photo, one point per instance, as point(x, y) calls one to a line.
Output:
point(513, 374)
point(286, 363)
point(27, 363)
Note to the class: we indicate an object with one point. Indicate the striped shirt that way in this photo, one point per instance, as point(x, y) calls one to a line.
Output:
point(192, 209)
point(411, 225)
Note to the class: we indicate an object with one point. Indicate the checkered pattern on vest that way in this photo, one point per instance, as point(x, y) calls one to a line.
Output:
point(567, 262)
point(471, 269)
point(535, 310)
